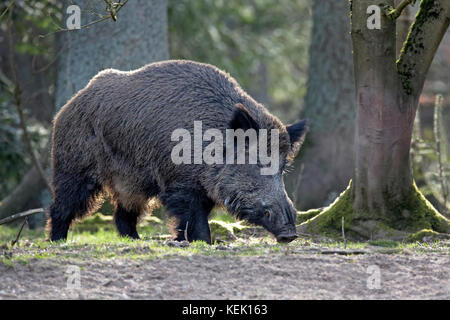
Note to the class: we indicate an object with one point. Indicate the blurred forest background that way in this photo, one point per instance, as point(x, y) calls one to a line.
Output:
point(294, 56)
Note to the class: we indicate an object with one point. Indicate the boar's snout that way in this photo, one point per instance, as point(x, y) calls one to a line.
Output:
point(283, 224)
point(286, 237)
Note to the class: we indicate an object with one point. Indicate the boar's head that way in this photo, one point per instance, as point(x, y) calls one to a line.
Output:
point(260, 198)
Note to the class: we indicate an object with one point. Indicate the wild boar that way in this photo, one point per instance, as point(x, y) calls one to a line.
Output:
point(116, 136)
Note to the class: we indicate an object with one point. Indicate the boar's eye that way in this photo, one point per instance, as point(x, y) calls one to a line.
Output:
point(267, 213)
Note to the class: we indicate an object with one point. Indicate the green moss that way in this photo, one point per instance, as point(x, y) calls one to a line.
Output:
point(400, 217)
point(303, 216)
point(414, 213)
point(224, 230)
point(406, 74)
point(429, 10)
point(98, 222)
point(419, 236)
point(329, 221)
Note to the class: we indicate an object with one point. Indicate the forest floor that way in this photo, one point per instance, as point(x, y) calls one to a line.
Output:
point(100, 265)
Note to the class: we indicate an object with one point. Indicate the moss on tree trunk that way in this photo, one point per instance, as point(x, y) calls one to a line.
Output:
point(401, 219)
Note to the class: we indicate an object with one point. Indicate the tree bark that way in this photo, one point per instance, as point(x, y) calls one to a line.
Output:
point(138, 37)
point(330, 107)
point(384, 117)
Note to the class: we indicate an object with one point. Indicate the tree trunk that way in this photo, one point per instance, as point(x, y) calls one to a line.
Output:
point(330, 107)
point(138, 37)
point(384, 118)
point(383, 200)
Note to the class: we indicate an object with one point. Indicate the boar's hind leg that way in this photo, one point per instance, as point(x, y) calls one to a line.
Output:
point(190, 209)
point(74, 198)
point(126, 221)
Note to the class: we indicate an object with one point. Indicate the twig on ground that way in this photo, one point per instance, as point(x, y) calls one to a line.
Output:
point(343, 234)
point(343, 253)
point(20, 231)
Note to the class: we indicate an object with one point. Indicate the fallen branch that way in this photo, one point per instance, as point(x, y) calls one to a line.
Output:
point(344, 252)
point(21, 215)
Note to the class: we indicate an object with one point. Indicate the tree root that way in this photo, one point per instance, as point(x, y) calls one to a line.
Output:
point(400, 221)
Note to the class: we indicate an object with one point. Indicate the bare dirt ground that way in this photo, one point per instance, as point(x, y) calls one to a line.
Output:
point(286, 275)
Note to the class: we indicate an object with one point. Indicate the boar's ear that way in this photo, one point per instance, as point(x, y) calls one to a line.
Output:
point(242, 119)
point(297, 131)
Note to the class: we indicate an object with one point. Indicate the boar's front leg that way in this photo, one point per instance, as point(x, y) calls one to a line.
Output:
point(126, 221)
point(190, 210)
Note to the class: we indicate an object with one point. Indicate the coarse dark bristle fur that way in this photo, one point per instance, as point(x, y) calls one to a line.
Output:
point(114, 136)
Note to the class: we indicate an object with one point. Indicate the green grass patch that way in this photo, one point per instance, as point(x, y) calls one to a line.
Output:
point(384, 243)
point(96, 239)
